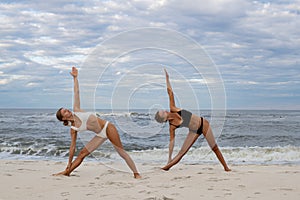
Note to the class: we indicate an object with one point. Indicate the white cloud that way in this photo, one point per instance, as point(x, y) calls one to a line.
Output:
point(4, 81)
point(212, 7)
point(31, 84)
point(252, 42)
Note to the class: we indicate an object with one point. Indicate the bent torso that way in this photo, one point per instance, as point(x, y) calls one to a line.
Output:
point(194, 124)
point(93, 123)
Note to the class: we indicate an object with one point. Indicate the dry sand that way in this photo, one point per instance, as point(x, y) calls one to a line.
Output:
point(33, 180)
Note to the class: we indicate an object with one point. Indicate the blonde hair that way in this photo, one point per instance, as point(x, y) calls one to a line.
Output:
point(158, 118)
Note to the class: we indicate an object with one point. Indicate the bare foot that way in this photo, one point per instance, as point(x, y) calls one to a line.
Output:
point(227, 169)
point(137, 176)
point(165, 168)
point(64, 173)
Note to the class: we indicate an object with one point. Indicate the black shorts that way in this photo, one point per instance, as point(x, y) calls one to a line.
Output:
point(200, 129)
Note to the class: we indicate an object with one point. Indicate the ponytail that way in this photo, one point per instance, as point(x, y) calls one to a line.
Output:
point(66, 123)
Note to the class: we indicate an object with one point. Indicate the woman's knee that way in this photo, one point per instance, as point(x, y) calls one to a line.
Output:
point(182, 152)
point(122, 153)
point(215, 148)
point(83, 153)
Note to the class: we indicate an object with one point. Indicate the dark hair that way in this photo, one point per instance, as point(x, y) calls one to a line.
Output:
point(158, 118)
point(59, 117)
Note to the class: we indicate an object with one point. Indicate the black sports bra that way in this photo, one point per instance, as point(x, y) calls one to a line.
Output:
point(186, 117)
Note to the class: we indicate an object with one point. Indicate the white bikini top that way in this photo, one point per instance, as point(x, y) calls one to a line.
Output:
point(83, 116)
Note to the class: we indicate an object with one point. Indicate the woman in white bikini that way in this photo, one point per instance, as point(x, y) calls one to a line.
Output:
point(178, 118)
point(82, 121)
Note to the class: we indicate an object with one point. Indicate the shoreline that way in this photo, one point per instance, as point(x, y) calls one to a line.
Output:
point(32, 179)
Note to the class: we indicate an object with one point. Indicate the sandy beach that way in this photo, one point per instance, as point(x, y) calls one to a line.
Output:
point(33, 180)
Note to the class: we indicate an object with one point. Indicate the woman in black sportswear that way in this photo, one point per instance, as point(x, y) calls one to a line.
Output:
point(178, 118)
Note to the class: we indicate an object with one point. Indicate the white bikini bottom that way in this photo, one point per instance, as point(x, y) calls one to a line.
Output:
point(103, 131)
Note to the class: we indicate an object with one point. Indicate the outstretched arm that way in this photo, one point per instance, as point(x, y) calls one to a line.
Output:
point(170, 93)
point(172, 141)
point(66, 172)
point(73, 134)
point(76, 103)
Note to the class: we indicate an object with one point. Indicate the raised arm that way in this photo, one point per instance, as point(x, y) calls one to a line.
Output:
point(173, 107)
point(76, 103)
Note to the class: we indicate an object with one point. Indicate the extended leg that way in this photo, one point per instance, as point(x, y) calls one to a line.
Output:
point(114, 137)
point(89, 148)
point(220, 157)
point(189, 141)
point(208, 134)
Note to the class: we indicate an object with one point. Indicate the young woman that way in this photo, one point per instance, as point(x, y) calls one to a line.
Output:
point(82, 121)
point(178, 118)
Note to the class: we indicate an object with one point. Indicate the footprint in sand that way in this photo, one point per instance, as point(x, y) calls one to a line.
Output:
point(180, 177)
point(157, 198)
point(286, 189)
point(110, 172)
point(151, 198)
point(166, 198)
point(207, 168)
point(145, 191)
point(65, 194)
point(257, 193)
point(21, 169)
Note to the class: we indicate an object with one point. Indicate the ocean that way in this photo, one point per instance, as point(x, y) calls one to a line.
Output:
point(247, 137)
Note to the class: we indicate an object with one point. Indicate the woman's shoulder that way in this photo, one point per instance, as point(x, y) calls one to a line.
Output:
point(174, 109)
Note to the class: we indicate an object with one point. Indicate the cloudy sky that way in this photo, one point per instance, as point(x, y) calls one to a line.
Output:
point(254, 47)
